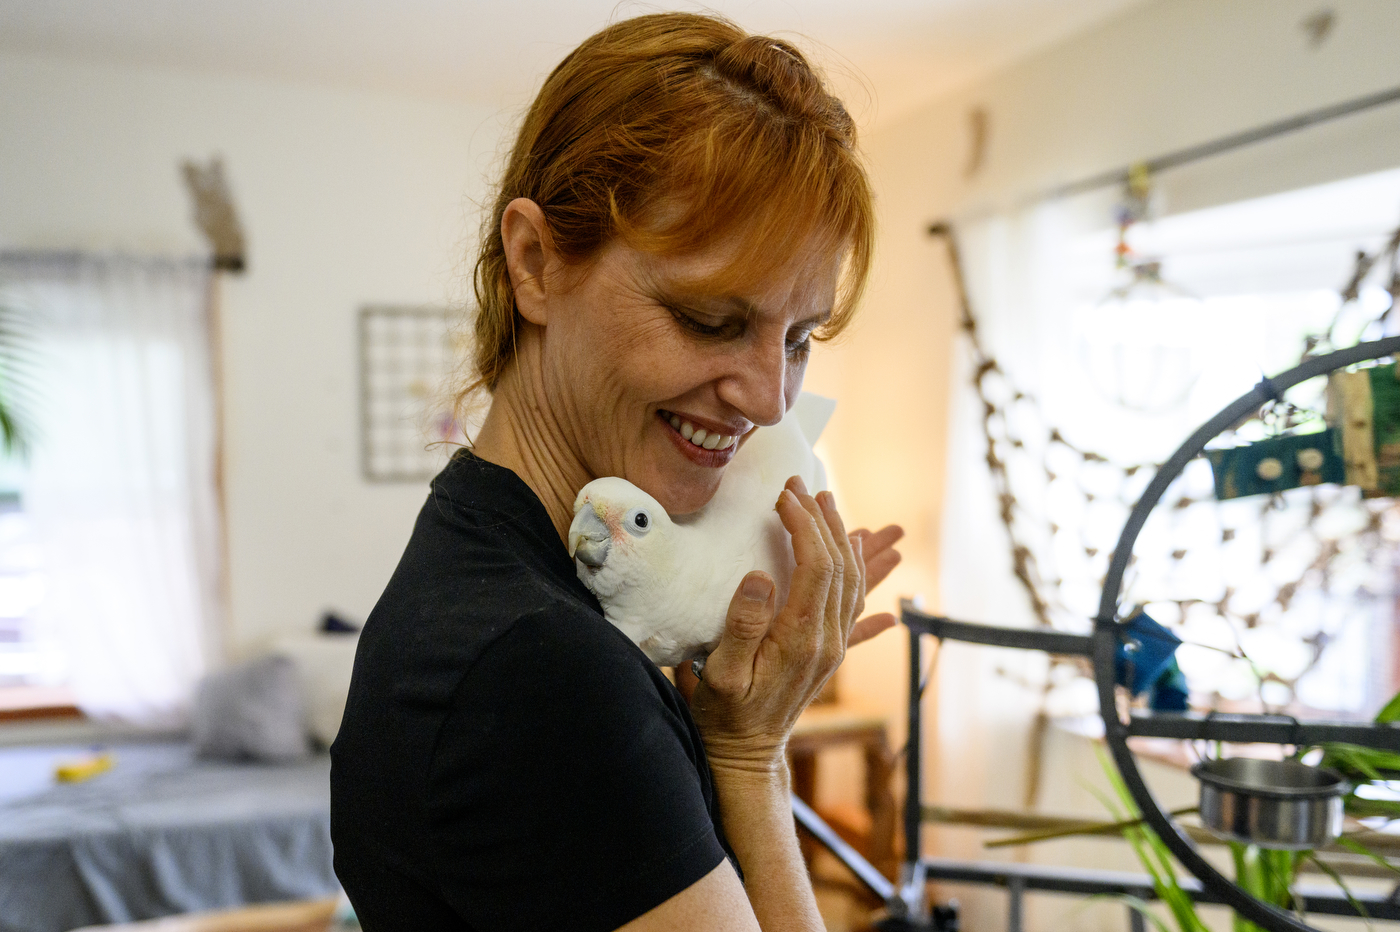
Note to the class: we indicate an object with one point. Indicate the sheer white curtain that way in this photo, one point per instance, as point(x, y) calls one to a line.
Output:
point(121, 485)
point(1016, 266)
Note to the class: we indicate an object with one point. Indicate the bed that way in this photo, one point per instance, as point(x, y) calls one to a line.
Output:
point(160, 833)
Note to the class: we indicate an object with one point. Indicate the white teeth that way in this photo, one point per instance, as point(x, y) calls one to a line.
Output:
point(699, 436)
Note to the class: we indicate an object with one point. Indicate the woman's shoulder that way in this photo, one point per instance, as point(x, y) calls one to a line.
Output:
point(483, 544)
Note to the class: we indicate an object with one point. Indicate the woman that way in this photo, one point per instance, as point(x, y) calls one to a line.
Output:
point(683, 212)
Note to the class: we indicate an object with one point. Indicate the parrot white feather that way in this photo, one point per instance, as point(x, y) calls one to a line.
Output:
point(667, 583)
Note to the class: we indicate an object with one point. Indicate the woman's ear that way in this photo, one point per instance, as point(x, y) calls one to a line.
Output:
point(529, 257)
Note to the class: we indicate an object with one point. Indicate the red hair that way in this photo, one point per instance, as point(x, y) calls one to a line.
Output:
point(670, 131)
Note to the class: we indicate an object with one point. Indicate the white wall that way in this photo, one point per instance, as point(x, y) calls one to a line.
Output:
point(1160, 77)
point(347, 198)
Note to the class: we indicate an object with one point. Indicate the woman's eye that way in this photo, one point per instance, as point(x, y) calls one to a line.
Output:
point(800, 344)
point(694, 325)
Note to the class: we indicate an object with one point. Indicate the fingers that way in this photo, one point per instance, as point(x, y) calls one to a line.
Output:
point(880, 556)
point(842, 593)
point(822, 508)
point(730, 667)
point(852, 566)
point(802, 620)
point(853, 589)
point(868, 627)
point(883, 539)
point(804, 524)
point(879, 567)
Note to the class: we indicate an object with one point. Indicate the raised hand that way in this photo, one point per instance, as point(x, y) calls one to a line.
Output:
point(880, 559)
point(768, 666)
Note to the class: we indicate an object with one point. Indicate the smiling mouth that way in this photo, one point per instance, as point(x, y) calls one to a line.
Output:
point(698, 436)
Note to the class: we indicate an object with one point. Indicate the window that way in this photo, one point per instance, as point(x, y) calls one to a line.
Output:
point(110, 567)
point(1301, 584)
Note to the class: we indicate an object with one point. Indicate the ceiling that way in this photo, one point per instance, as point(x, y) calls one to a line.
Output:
point(904, 52)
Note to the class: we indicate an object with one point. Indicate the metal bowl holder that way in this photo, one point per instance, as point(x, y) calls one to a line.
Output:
point(906, 903)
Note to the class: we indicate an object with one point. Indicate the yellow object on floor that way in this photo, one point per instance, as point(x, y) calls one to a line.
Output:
point(85, 769)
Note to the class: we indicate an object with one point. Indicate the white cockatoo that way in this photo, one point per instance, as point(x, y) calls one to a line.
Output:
point(667, 583)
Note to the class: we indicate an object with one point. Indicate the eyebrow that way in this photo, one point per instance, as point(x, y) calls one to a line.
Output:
point(749, 309)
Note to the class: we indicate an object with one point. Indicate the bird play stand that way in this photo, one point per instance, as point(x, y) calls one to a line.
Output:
point(1291, 806)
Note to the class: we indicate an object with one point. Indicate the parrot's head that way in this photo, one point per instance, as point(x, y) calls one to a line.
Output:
point(617, 528)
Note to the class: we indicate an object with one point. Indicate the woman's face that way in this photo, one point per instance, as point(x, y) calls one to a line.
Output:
point(659, 379)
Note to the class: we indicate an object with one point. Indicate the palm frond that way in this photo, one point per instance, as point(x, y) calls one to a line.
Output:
point(17, 380)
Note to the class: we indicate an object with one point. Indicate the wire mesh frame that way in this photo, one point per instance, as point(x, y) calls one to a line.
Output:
point(1107, 635)
point(396, 375)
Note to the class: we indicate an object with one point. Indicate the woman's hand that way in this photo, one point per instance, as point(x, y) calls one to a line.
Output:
point(881, 558)
point(877, 549)
point(766, 669)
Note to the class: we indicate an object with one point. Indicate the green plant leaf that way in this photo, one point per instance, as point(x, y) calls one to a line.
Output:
point(1351, 844)
point(1346, 891)
point(1389, 712)
point(1355, 761)
point(1152, 852)
point(1237, 853)
point(1360, 807)
point(1138, 905)
point(16, 378)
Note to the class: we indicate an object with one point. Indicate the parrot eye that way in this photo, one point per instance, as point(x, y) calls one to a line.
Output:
point(638, 521)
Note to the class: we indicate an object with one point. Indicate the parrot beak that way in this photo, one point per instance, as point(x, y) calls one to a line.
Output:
point(589, 537)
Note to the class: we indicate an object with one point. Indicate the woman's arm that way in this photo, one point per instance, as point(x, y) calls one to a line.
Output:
point(764, 672)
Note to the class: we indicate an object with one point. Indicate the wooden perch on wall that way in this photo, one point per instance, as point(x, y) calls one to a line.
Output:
point(215, 214)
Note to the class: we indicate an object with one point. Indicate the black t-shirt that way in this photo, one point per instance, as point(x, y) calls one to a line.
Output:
point(508, 759)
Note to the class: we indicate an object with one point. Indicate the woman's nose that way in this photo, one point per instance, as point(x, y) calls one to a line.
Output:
point(757, 383)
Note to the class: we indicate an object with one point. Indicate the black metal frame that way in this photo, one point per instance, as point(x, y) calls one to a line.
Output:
point(906, 902)
point(1263, 729)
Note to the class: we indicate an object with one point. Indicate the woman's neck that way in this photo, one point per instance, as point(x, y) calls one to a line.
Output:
point(522, 434)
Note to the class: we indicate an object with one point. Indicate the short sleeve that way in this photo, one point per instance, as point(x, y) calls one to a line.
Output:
point(568, 786)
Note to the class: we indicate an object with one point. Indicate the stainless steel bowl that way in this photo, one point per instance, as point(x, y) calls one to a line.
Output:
point(1271, 803)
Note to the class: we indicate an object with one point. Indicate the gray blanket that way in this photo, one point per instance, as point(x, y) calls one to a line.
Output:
point(161, 833)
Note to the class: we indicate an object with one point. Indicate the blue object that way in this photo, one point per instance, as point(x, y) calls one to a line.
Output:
point(1169, 693)
point(1144, 652)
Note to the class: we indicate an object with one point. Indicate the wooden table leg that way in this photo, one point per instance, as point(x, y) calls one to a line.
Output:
point(879, 766)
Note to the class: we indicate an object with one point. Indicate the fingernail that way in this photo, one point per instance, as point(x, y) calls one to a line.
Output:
point(779, 502)
point(757, 588)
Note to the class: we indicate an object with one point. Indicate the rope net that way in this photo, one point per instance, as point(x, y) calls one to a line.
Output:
point(1288, 573)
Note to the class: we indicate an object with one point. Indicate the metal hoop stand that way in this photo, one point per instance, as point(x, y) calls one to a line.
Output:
point(1106, 639)
point(906, 903)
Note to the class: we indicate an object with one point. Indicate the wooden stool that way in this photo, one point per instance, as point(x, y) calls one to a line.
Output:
point(832, 725)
